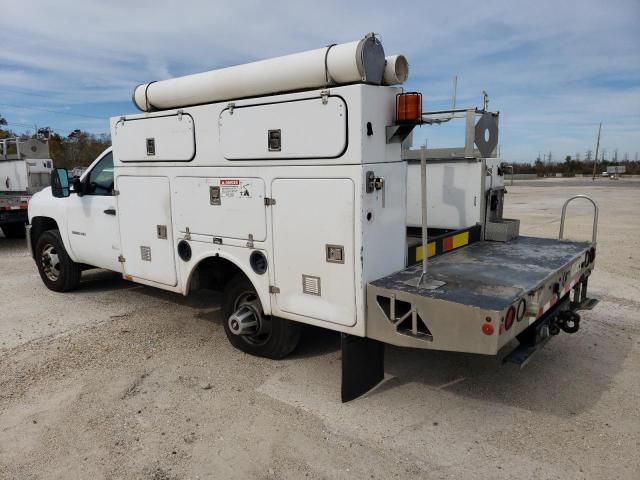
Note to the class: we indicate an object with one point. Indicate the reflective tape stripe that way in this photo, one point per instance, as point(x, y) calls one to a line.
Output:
point(431, 251)
point(461, 239)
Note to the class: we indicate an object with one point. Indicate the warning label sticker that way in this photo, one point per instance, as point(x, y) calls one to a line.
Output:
point(235, 188)
point(229, 182)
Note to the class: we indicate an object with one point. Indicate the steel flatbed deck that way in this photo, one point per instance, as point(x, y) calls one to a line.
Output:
point(490, 275)
point(480, 283)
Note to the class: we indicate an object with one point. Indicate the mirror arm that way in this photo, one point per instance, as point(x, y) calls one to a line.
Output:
point(77, 186)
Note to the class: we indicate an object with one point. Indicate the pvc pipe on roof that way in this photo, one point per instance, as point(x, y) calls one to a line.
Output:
point(396, 70)
point(359, 61)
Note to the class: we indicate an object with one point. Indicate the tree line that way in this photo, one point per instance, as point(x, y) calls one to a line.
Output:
point(573, 166)
point(77, 149)
point(80, 148)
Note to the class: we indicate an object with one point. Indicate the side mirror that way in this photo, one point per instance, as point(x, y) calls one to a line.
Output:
point(60, 182)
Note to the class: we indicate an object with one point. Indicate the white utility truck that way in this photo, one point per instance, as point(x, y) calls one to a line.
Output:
point(283, 184)
point(25, 168)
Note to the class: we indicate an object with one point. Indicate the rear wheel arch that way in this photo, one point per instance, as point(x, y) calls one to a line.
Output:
point(215, 271)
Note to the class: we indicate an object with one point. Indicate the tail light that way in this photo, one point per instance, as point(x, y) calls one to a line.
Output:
point(409, 107)
point(509, 318)
point(487, 329)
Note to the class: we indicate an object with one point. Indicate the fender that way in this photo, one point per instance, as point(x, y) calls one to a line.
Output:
point(44, 204)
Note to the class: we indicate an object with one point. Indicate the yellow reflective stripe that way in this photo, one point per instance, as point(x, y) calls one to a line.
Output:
point(460, 239)
point(431, 250)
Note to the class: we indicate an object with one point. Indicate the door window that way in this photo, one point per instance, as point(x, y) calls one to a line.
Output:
point(100, 181)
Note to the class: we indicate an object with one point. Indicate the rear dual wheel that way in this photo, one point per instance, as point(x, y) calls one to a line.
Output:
point(261, 335)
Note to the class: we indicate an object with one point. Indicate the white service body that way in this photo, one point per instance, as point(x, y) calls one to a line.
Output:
point(316, 177)
point(456, 191)
point(25, 166)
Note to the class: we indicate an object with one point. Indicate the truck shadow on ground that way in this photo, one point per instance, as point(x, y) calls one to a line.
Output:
point(97, 280)
point(564, 379)
point(18, 245)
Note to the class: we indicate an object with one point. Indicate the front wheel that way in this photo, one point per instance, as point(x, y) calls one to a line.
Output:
point(58, 272)
point(249, 329)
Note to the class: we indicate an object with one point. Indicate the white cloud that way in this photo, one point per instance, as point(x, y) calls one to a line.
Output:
point(554, 69)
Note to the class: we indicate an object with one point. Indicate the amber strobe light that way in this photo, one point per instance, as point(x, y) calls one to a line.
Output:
point(409, 107)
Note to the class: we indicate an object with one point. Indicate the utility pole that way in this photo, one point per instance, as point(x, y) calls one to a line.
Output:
point(597, 148)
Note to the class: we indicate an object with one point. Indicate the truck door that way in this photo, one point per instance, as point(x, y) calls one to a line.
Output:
point(92, 225)
point(313, 248)
point(146, 233)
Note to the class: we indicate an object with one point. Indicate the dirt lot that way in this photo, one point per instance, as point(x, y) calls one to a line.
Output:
point(122, 381)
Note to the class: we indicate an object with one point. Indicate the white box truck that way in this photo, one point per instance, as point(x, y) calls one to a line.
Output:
point(25, 168)
point(283, 184)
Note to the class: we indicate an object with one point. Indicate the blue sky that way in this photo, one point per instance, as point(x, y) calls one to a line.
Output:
point(554, 69)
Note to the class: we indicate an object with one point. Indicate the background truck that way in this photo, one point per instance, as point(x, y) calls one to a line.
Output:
point(25, 168)
point(283, 184)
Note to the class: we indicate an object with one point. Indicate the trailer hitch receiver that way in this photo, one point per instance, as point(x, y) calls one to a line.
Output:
point(569, 321)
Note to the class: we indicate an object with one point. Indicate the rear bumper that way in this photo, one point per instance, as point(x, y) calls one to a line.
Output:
point(532, 339)
point(13, 216)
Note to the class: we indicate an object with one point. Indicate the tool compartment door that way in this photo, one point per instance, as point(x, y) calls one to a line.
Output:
point(229, 207)
point(144, 214)
point(300, 129)
point(313, 282)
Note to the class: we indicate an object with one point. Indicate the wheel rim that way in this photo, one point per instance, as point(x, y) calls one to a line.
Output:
point(250, 298)
point(50, 262)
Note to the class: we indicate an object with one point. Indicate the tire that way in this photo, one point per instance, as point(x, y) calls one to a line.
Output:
point(14, 230)
point(58, 272)
point(278, 338)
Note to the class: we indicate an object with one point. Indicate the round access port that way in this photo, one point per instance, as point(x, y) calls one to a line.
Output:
point(369, 216)
point(184, 250)
point(258, 262)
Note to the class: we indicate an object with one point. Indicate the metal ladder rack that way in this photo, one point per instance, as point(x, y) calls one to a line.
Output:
point(595, 217)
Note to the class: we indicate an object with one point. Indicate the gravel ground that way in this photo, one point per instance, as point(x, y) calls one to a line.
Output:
point(118, 380)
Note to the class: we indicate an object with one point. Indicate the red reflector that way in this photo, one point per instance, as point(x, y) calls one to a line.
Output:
point(487, 329)
point(508, 320)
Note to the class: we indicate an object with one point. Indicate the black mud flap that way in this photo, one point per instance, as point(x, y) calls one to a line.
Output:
point(362, 365)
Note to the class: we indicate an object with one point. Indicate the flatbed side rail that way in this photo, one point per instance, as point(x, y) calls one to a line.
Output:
point(594, 233)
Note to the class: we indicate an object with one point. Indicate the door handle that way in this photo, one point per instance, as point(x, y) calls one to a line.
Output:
point(110, 211)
